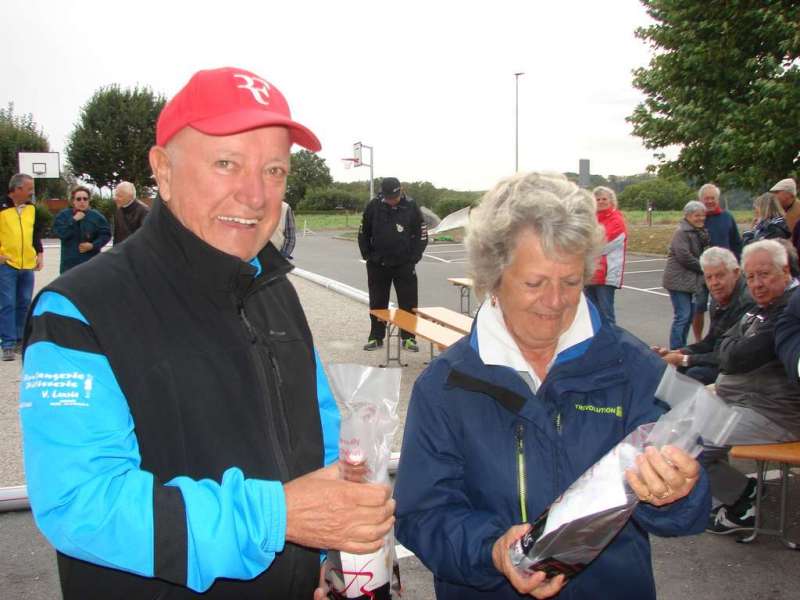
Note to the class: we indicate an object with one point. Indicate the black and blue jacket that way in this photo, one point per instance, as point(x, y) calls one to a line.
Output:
point(482, 452)
point(168, 391)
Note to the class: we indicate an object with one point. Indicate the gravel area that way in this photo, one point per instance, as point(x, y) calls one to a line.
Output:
point(339, 325)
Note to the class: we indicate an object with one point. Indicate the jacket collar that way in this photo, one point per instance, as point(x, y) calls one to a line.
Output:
point(599, 366)
point(212, 269)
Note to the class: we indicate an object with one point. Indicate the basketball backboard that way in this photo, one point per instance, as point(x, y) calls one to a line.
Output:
point(357, 154)
point(40, 165)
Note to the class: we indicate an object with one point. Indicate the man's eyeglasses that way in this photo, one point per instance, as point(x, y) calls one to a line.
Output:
point(81, 198)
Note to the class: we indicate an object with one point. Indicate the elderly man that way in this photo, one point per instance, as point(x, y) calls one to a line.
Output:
point(130, 213)
point(180, 450)
point(730, 299)
point(83, 231)
point(754, 381)
point(722, 232)
point(21, 254)
point(786, 191)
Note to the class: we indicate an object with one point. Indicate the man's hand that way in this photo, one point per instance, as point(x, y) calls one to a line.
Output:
point(85, 247)
point(3, 259)
point(39, 262)
point(324, 512)
point(660, 350)
point(536, 585)
point(79, 215)
point(674, 358)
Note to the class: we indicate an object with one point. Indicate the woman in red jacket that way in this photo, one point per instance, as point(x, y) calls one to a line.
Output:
point(611, 262)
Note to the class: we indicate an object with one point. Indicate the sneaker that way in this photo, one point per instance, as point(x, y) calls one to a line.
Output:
point(726, 521)
point(373, 345)
point(411, 345)
point(8, 354)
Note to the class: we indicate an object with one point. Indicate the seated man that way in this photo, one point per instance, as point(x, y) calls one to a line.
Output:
point(729, 301)
point(753, 379)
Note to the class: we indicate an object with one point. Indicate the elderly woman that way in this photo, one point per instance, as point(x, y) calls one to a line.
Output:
point(683, 275)
point(611, 262)
point(505, 420)
point(83, 231)
point(769, 220)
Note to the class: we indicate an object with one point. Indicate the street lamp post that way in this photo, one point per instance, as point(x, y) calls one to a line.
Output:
point(516, 121)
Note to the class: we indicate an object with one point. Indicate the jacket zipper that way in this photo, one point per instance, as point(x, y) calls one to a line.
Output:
point(273, 434)
point(21, 240)
point(521, 479)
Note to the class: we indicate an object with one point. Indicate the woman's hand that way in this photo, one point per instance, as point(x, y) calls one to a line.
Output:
point(536, 585)
point(663, 477)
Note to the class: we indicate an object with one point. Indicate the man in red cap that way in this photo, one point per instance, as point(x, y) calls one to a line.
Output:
point(180, 450)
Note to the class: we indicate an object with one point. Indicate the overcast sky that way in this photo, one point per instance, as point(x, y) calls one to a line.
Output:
point(429, 84)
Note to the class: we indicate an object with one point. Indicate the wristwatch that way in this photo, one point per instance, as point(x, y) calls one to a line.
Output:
point(685, 361)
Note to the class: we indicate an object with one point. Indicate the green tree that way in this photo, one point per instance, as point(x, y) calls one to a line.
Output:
point(20, 133)
point(330, 198)
point(724, 86)
point(113, 136)
point(665, 194)
point(308, 171)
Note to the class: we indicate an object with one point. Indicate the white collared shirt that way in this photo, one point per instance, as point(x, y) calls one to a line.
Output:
point(497, 347)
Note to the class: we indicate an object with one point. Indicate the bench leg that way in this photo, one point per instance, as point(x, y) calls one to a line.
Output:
point(784, 502)
point(761, 467)
point(393, 332)
point(465, 299)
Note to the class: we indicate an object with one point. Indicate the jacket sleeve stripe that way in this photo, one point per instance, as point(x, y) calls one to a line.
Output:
point(70, 333)
point(328, 414)
point(170, 534)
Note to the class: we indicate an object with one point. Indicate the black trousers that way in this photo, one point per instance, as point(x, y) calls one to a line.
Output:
point(379, 283)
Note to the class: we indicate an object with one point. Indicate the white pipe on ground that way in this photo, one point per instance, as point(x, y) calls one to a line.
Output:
point(14, 498)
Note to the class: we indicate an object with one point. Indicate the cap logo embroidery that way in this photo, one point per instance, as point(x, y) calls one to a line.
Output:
point(256, 86)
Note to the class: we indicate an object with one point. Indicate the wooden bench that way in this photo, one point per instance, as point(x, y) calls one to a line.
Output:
point(465, 290)
point(398, 319)
point(449, 318)
point(785, 455)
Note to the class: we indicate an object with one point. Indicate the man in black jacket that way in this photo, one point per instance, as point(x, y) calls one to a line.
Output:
point(730, 299)
point(392, 238)
point(753, 381)
point(179, 451)
point(130, 213)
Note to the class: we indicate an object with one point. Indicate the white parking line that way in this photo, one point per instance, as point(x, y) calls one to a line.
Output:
point(650, 271)
point(444, 260)
point(449, 251)
point(646, 291)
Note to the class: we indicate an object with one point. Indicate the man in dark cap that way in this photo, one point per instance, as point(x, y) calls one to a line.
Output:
point(179, 451)
point(392, 238)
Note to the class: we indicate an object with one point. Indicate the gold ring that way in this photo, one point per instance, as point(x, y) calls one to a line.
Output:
point(666, 494)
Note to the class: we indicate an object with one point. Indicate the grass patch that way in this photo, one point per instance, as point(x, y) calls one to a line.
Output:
point(318, 222)
point(641, 238)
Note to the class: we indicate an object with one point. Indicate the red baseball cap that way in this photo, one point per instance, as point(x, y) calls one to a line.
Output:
point(227, 101)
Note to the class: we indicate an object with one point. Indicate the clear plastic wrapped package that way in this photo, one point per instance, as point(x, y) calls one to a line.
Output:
point(586, 517)
point(368, 397)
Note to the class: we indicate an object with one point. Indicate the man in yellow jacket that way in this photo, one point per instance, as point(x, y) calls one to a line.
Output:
point(21, 254)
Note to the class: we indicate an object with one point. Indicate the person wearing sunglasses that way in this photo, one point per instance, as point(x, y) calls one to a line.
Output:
point(82, 230)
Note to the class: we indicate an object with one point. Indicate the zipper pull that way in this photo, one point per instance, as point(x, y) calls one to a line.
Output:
point(247, 324)
point(557, 422)
point(522, 485)
point(276, 368)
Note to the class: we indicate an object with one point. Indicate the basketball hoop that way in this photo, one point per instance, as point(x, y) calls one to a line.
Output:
point(349, 163)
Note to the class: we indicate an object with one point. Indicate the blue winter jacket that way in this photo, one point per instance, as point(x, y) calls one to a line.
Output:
point(457, 488)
